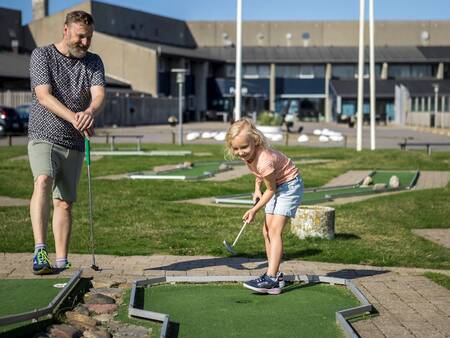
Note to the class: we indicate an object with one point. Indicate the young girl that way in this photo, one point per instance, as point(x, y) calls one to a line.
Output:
point(283, 194)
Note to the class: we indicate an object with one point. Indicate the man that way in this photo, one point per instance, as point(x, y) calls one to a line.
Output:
point(67, 83)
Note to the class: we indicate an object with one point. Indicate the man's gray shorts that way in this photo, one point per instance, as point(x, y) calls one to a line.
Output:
point(56, 161)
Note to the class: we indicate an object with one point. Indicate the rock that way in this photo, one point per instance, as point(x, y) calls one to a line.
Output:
point(64, 331)
point(104, 283)
point(81, 309)
point(379, 186)
point(188, 164)
point(224, 166)
point(129, 330)
point(102, 308)
point(104, 317)
point(394, 182)
point(313, 221)
point(80, 321)
point(97, 333)
point(98, 298)
point(367, 181)
point(41, 335)
point(114, 293)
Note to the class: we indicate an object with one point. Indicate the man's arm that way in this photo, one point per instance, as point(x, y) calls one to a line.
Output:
point(85, 119)
point(46, 99)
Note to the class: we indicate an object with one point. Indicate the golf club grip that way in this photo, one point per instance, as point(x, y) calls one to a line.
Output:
point(87, 146)
point(256, 201)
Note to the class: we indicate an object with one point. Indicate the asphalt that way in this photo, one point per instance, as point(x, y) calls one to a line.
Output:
point(387, 137)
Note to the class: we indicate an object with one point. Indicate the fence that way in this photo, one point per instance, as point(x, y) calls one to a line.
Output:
point(14, 99)
point(123, 109)
point(425, 119)
point(136, 110)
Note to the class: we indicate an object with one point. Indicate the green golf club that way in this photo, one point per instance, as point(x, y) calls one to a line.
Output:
point(87, 145)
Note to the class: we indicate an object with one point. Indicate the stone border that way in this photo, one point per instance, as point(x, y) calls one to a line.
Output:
point(49, 309)
point(341, 316)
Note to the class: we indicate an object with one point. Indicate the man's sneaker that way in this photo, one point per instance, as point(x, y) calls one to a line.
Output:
point(41, 263)
point(280, 279)
point(264, 284)
point(66, 266)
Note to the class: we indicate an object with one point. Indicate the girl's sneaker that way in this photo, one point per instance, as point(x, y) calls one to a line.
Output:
point(280, 279)
point(41, 263)
point(264, 284)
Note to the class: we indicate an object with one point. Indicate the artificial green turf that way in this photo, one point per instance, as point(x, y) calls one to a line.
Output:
point(23, 295)
point(229, 310)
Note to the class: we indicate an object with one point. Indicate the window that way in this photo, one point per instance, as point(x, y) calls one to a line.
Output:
point(255, 71)
point(229, 71)
point(344, 71)
point(306, 71)
point(404, 71)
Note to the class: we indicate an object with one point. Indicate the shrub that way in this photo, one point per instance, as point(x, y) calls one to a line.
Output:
point(270, 119)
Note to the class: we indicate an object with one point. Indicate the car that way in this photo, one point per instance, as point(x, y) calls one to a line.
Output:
point(10, 120)
point(24, 112)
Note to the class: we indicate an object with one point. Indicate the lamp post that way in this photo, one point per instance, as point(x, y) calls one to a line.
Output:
point(181, 72)
point(359, 116)
point(436, 94)
point(238, 72)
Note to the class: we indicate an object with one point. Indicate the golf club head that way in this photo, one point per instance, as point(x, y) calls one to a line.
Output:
point(229, 247)
point(95, 267)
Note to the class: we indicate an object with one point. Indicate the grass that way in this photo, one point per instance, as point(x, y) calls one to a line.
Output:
point(439, 278)
point(228, 310)
point(140, 218)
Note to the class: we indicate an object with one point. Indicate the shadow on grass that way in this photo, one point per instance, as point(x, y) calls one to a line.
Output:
point(346, 237)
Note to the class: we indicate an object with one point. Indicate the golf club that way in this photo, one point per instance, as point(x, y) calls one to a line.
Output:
point(230, 247)
point(87, 145)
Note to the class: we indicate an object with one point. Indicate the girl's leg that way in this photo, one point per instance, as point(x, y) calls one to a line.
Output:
point(265, 231)
point(275, 225)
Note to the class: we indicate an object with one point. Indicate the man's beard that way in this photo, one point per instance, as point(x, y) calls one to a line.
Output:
point(77, 52)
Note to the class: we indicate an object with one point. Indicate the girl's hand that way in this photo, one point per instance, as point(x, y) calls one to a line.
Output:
point(249, 216)
point(256, 196)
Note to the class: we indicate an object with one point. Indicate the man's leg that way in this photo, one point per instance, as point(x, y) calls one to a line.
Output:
point(39, 214)
point(39, 208)
point(62, 225)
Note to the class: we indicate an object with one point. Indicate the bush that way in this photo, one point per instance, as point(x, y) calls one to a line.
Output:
point(269, 119)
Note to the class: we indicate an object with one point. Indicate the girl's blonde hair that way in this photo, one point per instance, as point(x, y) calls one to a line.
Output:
point(236, 128)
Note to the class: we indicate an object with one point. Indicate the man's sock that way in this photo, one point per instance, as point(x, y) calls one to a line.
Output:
point(38, 247)
point(61, 262)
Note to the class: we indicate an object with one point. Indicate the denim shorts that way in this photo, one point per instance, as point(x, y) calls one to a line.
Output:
point(287, 199)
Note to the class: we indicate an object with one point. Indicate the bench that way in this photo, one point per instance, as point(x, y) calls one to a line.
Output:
point(428, 145)
point(138, 139)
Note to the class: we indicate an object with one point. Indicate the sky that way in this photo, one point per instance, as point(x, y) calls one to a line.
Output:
point(264, 9)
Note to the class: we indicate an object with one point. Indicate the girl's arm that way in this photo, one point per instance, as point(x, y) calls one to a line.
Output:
point(271, 188)
point(257, 194)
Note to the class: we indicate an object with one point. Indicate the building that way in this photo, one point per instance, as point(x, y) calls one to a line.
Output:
point(304, 68)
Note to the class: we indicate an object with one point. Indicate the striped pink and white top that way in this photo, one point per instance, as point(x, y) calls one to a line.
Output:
point(268, 161)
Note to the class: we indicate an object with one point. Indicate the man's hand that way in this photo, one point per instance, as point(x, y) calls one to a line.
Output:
point(84, 120)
